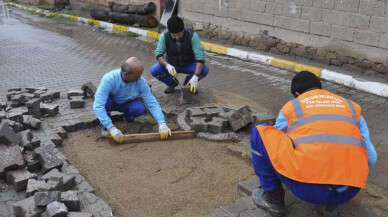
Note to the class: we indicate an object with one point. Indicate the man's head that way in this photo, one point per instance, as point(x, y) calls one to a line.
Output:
point(131, 70)
point(304, 81)
point(176, 27)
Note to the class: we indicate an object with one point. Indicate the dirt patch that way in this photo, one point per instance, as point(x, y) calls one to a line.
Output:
point(167, 178)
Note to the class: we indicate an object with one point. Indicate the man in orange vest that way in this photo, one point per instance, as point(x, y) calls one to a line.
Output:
point(319, 148)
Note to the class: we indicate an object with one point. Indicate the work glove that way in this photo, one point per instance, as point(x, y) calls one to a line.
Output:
point(171, 70)
point(116, 134)
point(164, 131)
point(193, 83)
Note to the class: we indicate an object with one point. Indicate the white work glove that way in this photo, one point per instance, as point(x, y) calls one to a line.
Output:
point(171, 70)
point(193, 83)
point(164, 131)
point(116, 134)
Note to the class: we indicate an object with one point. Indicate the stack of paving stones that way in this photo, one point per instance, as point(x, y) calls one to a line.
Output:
point(35, 177)
point(76, 97)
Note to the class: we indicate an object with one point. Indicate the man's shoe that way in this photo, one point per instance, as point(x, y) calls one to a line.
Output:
point(104, 132)
point(269, 202)
point(171, 87)
point(331, 211)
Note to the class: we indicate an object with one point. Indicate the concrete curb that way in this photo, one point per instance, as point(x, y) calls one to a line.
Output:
point(377, 88)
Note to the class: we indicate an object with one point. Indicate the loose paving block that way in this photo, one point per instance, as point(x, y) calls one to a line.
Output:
point(217, 125)
point(56, 94)
point(16, 100)
point(98, 207)
point(55, 175)
point(55, 209)
point(26, 208)
point(240, 118)
point(75, 93)
point(35, 143)
point(10, 94)
point(77, 102)
point(195, 112)
point(71, 200)
point(31, 122)
point(247, 119)
point(198, 124)
point(79, 214)
point(30, 89)
point(33, 165)
point(10, 158)
point(238, 207)
point(14, 89)
point(38, 93)
point(212, 112)
point(47, 97)
point(47, 156)
point(46, 197)
point(26, 97)
point(19, 178)
point(7, 135)
point(34, 186)
point(15, 126)
point(49, 109)
point(89, 88)
point(25, 142)
point(16, 115)
point(34, 107)
point(237, 124)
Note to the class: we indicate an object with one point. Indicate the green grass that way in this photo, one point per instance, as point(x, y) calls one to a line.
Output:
point(132, 34)
point(87, 10)
point(90, 23)
point(57, 17)
point(100, 27)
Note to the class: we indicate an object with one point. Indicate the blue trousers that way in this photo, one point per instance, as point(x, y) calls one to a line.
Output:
point(161, 73)
point(312, 193)
point(131, 109)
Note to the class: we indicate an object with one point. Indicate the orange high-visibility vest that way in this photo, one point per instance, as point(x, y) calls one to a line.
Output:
point(322, 143)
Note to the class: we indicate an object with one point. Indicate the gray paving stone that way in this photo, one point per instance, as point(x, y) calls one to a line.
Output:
point(54, 174)
point(47, 97)
point(61, 132)
point(263, 117)
point(195, 112)
point(55, 209)
point(89, 88)
point(19, 178)
point(49, 109)
point(7, 135)
point(15, 126)
point(217, 125)
point(71, 93)
point(246, 187)
point(2, 115)
point(9, 194)
point(257, 212)
point(218, 213)
point(77, 102)
point(38, 93)
point(27, 137)
point(10, 158)
point(16, 114)
point(198, 124)
point(34, 107)
point(33, 165)
point(4, 210)
point(40, 185)
point(47, 156)
point(238, 207)
point(31, 122)
point(79, 214)
point(71, 200)
point(46, 197)
point(35, 143)
point(26, 208)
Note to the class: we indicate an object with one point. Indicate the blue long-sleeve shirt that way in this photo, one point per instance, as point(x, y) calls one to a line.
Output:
point(281, 124)
point(113, 86)
point(199, 53)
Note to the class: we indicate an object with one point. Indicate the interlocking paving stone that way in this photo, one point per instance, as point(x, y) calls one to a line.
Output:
point(71, 200)
point(10, 158)
point(40, 185)
point(55, 209)
point(54, 174)
point(47, 156)
point(7, 135)
point(27, 137)
point(77, 102)
point(46, 197)
point(19, 178)
point(27, 207)
point(89, 88)
point(79, 214)
point(246, 187)
point(238, 207)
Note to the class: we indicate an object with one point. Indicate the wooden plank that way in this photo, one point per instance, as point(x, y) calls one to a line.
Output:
point(147, 137)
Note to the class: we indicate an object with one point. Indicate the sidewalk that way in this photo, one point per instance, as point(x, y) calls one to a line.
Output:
point(359, 82)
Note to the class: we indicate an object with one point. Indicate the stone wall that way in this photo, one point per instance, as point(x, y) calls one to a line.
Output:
point(348, 33)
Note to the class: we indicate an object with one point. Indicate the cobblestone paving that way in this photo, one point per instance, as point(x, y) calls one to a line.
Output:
point(62, 55)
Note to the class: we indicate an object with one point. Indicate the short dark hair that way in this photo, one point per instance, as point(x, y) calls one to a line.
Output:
point(304, 81)
point(126, 67)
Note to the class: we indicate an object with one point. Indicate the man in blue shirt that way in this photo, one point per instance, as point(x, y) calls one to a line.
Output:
point(119, 91)
point(179, 50)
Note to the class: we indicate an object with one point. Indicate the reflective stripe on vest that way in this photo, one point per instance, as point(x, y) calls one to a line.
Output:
point(302, 120)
